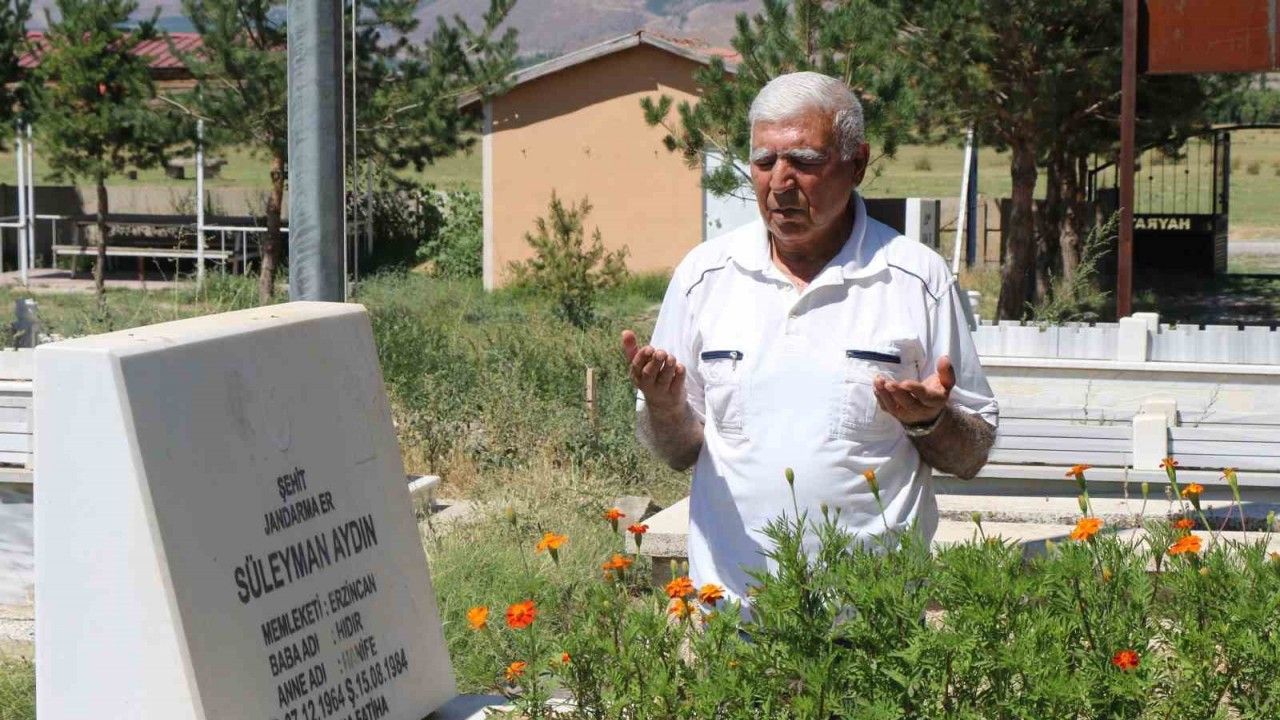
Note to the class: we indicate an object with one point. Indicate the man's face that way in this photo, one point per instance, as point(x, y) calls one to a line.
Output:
point(802, 186)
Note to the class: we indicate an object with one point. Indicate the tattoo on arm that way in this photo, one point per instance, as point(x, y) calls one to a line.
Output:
point(959, 445)
point(675, 438)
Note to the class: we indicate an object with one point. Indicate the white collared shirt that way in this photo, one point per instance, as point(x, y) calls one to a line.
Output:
point(782, 378)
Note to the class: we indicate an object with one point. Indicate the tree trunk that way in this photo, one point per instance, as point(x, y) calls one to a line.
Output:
point(1047, 228)
point(100, 265)
point(271, 245)
point(1072, 222)
point(1020, 255)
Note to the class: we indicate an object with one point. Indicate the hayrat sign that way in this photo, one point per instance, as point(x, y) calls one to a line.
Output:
point(1197, 36)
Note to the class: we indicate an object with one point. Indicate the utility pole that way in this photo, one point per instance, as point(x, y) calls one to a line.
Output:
point(1128, 112)
point(316, 241)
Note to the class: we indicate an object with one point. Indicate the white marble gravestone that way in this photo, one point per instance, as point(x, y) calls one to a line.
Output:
point(223, 529)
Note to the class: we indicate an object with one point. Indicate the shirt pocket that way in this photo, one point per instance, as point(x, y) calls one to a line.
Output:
point(858, 416)
point(723, 388)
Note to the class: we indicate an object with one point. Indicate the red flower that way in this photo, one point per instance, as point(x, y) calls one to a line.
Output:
point(637, 531)
point(521, 615)
point(564, 658)
point(1125, 660)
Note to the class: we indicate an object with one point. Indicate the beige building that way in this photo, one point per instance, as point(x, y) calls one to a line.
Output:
point(573, 125)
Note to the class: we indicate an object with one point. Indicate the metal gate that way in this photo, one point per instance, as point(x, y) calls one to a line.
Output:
point(1181, 203)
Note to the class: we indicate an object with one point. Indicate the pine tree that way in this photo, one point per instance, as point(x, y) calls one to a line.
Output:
point(406, 93)
point(852, 40)
point(1040, 79)
point(243, 95)
point(14, 97)
point(97, 103)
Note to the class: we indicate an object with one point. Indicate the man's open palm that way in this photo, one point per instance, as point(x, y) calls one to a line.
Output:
point(915, 402)
point(655, 372)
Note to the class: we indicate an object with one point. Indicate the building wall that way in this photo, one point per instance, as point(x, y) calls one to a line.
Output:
point(581, 133)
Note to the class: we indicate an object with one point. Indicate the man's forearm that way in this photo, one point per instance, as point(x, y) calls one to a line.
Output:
point(959, 445)
point(675, 436)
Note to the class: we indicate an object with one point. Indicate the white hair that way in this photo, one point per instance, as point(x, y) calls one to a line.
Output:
point(789, 96)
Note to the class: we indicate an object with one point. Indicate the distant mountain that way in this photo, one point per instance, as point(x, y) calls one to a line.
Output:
point(545, 26)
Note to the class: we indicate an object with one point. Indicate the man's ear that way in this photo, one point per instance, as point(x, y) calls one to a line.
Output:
point(861, 157)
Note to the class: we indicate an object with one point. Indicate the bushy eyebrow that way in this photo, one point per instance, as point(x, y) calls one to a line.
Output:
point(802, 155)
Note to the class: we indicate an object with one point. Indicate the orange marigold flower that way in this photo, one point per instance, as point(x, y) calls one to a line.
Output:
point(564, 658)
point(551, 541)
point(637, 531)
point(679, 608)
point(521, 615)
point(1184, 524)
point(681, 587)
point(1077, 471)
point(710, 594)
point(1185, 544)
point(613, 515)
point(1192, 490)
point(1125, 660)
point(478, 617)
point(1168, 463)
point(617, 563)
point(515, 670)
point(1086, 528)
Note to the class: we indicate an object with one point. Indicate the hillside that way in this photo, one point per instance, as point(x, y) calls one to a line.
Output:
point(546, 26)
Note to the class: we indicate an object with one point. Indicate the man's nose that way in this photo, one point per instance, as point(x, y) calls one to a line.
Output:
point(783, 177)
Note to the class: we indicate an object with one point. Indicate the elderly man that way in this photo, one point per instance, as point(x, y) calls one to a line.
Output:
point(816, 339)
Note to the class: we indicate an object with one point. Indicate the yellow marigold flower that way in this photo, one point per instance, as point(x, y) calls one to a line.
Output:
point(1185, 544)
point(1086, 528)
point(680, 587)
point(710, 594)
point(515, 670)
point(478, 617)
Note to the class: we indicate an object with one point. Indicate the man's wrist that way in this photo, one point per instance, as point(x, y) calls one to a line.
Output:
point(917, 430)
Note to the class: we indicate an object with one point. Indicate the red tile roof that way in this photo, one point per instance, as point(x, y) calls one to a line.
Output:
point(157, 51)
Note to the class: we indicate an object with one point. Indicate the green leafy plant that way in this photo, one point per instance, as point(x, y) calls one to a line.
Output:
point(1077, 297)
point(887, 628)
point(566, 266)
point(456, 249)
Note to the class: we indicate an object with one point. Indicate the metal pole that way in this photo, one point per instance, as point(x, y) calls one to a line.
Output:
point(31, 201)
point(971, 226)
point(19, 147)
point(368, 208)
point(964, 202)
point(316, 239)
point(355, 166)
point(1128, 112)
point(199, 204)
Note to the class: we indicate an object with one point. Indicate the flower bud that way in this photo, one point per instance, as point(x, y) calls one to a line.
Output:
point(791, 477)
point(1146, 490)
point(1084, 503)
point(510, 514)
point(976, 517)
point(1271, 521)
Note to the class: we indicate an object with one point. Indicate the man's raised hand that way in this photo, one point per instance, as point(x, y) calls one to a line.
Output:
point(917, 403)
point(656, 373)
